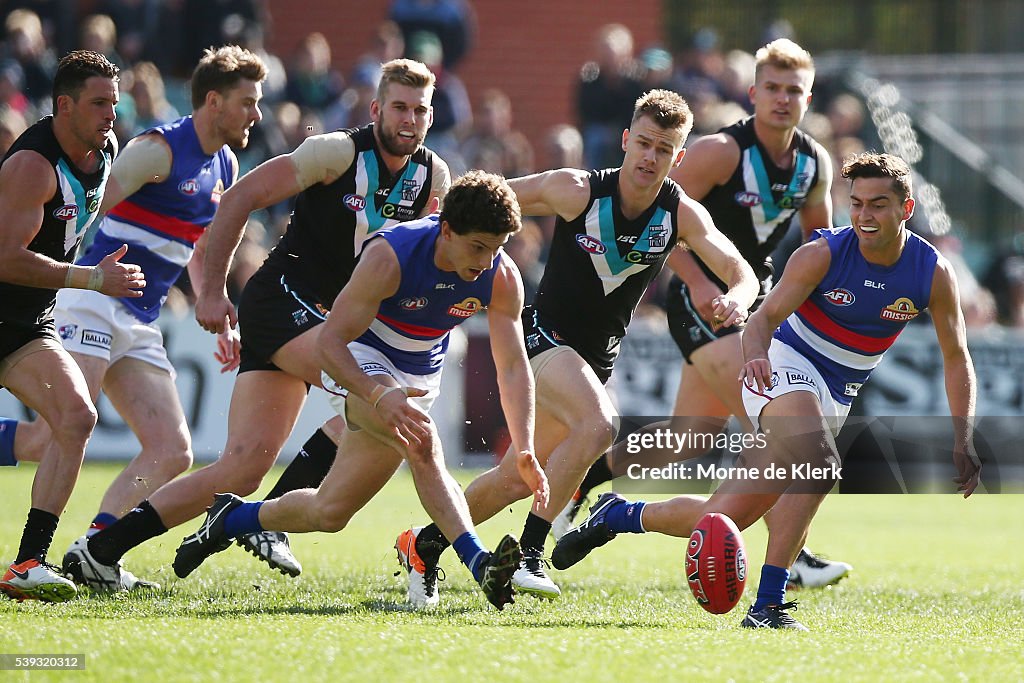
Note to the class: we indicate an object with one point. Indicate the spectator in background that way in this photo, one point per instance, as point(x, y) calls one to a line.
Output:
point(151, 105)
point(139, 29)
point(453, 115)
point(99, 34)
point(26, 44)
point(700, 69)
point(387, 43)
point(12, 79)
point(607, 90)
point(494, 145)
point(312, 81)
point(736, 77)
point(658, 68)
point(12, 124)
point(1005, 279)
point(564, 147)
point(452, 21)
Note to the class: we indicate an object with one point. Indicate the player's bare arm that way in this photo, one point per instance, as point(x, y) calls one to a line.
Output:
point(441, 181)
point(817, 210)
point(958, 369)
point(699, 233)
point(806, 269)
point(145, 159)
point(563, 192)
point(515, 379)
point(708, 162)
point(319, 159)
point(376, 277)
point(28, 182)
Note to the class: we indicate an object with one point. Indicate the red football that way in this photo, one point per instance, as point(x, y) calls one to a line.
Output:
point(716, 563)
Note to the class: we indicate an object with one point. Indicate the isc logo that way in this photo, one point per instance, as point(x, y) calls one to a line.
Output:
point(747, 199)
point(66, 212)
point(589, 244)
point(354, 202)
point(189, 187)
point(840, 297)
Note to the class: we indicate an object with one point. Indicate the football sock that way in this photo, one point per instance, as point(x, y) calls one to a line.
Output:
point(38, 535)
point(430, 543)
point(244, 519)
point(138, 526)
point(7, 429)
point(472, 553)
point(308, 468)
point(534, 532)
point(624, 518)
point(772, 589)
point(100, 522)
point(598, 474)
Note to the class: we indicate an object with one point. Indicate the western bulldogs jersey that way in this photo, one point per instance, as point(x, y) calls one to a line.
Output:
point(756, 205)
point(331, 222)
point(161, 222)
point(859, 309)
point(66, 217)
point(412, 326)
point(600, 264)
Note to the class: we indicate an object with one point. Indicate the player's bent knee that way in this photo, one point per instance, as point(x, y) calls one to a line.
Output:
point(75, 424)
point(332, 518)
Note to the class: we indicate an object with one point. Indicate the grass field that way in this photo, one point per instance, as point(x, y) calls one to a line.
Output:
point(936, 595)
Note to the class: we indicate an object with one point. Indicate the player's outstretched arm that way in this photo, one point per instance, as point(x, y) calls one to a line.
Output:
point(699, 233)
point(319, 159)
point(563, 192)
point(515, 379)
point(961, 384)
point(805, 270)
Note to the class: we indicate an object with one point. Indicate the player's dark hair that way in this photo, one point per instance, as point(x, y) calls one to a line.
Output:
point(221, 69)
point(481, 202)
point(75, 68)
point(876, 165)
point(668, 109)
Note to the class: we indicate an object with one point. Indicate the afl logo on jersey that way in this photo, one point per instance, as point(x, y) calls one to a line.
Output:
point(189, 187)
point(465, 308)
point(354, 202)
point(590, 245)
point(900, 311)
point(66, 212)
point(747, 199)
point(414, 303)
point(840, 297)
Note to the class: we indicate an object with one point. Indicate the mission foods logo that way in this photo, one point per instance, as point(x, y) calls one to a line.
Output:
point(354, 202)
point(465, 308)
point(66, 212)
point(589, 244)
point(900, 311)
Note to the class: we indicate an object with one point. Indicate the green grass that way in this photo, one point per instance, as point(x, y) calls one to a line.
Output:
point(936, 595)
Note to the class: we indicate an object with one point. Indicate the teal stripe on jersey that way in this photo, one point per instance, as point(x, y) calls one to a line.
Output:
point(79, 195)
point(373, 219)
point(799, 168)
point(764, 185)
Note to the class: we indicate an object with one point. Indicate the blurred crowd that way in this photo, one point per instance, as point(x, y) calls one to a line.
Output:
point(156, 43)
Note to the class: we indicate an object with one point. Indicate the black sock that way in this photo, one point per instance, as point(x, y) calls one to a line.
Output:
point(38, 535)
point(135, 528)
point(534, 532)
point(430, 543)
point(598, 474)
point(308, 468)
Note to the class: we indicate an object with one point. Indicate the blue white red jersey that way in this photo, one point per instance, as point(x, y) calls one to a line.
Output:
point(412, 326)
point(161, 222)
point(859, 309)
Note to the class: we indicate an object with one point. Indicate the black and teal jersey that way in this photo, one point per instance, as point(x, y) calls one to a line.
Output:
point(600, 265)
point(755, 207)
point(66, 216)
point(331, 221)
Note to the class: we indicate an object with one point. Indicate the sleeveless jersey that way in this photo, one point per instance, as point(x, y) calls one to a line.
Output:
point(411, 327)
point(756, 205)
point(161, 222)
point(331, 222)
point(66, 217)
point(858, 310)
point(600, 264)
